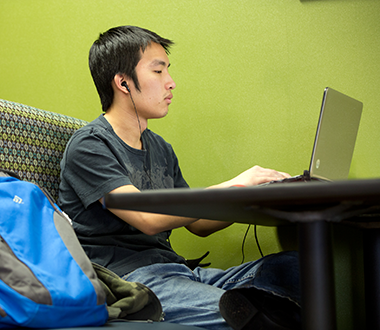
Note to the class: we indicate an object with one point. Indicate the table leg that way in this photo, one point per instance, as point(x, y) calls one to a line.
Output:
point(317, 276)
point(371, 258)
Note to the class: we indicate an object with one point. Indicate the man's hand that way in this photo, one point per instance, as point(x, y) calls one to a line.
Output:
point(257, 174)
point(254, 176)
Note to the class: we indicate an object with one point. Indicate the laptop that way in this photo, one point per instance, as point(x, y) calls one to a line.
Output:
point(334, 140)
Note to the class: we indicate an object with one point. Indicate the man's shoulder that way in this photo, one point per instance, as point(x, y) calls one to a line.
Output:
point(97, 127)
point(86, 137)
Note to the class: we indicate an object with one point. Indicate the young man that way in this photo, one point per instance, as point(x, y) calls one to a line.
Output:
point(118, 153)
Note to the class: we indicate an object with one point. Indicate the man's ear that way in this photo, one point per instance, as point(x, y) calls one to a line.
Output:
point(121, 83)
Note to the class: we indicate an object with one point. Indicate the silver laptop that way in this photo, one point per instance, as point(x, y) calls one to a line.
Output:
point(335, 138)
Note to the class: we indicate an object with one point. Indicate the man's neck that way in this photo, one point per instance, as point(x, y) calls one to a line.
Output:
point(126, 125)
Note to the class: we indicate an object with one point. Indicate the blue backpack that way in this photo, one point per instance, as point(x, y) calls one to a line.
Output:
point(46, 279)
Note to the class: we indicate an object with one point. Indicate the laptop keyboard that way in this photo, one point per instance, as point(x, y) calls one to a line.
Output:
point(297, 178)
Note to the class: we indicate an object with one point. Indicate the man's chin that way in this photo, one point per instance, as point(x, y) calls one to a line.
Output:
point(161, 115)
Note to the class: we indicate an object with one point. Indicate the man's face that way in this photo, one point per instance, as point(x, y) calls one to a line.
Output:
point(156, 84)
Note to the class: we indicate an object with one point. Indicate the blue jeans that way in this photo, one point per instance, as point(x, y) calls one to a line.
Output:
point(192, 297)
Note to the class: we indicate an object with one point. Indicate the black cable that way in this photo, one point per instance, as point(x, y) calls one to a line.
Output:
point(257, 242)
point(137, 115)
point(243, 243)
point(147, 147)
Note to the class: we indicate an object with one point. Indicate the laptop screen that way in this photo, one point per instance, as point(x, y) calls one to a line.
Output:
point(336, 136)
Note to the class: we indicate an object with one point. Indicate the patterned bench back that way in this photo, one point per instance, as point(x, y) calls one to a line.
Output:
point(32, 142)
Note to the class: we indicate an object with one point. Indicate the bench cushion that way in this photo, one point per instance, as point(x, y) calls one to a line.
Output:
point(32, 142)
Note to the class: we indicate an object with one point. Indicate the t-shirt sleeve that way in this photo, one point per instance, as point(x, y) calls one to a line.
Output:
point(91, 169)
point(179, 180)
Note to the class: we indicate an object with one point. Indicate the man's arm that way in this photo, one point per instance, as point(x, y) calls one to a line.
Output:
point(152, 223)
point(148, 223)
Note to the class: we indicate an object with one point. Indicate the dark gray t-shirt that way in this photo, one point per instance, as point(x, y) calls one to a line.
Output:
point(97, 161)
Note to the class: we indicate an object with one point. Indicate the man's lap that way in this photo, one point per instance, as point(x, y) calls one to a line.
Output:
point(192, 297)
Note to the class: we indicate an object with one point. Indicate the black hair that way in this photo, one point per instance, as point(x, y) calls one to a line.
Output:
point(118, 51)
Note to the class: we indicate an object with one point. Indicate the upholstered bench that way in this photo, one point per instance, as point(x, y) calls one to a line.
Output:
point(32, 142)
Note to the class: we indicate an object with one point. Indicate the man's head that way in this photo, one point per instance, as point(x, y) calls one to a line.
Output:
point(118, 51)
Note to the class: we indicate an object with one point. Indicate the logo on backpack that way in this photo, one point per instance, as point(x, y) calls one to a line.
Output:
point(18, 200)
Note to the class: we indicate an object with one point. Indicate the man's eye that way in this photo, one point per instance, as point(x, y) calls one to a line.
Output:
point(158, 71)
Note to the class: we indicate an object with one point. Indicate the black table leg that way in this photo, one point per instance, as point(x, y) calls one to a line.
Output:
point(372, 277)
point(317, 276)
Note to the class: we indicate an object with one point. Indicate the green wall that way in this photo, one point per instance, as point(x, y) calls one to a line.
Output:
point(250, 76)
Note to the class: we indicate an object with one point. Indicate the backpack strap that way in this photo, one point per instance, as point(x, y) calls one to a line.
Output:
point(7, 173)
